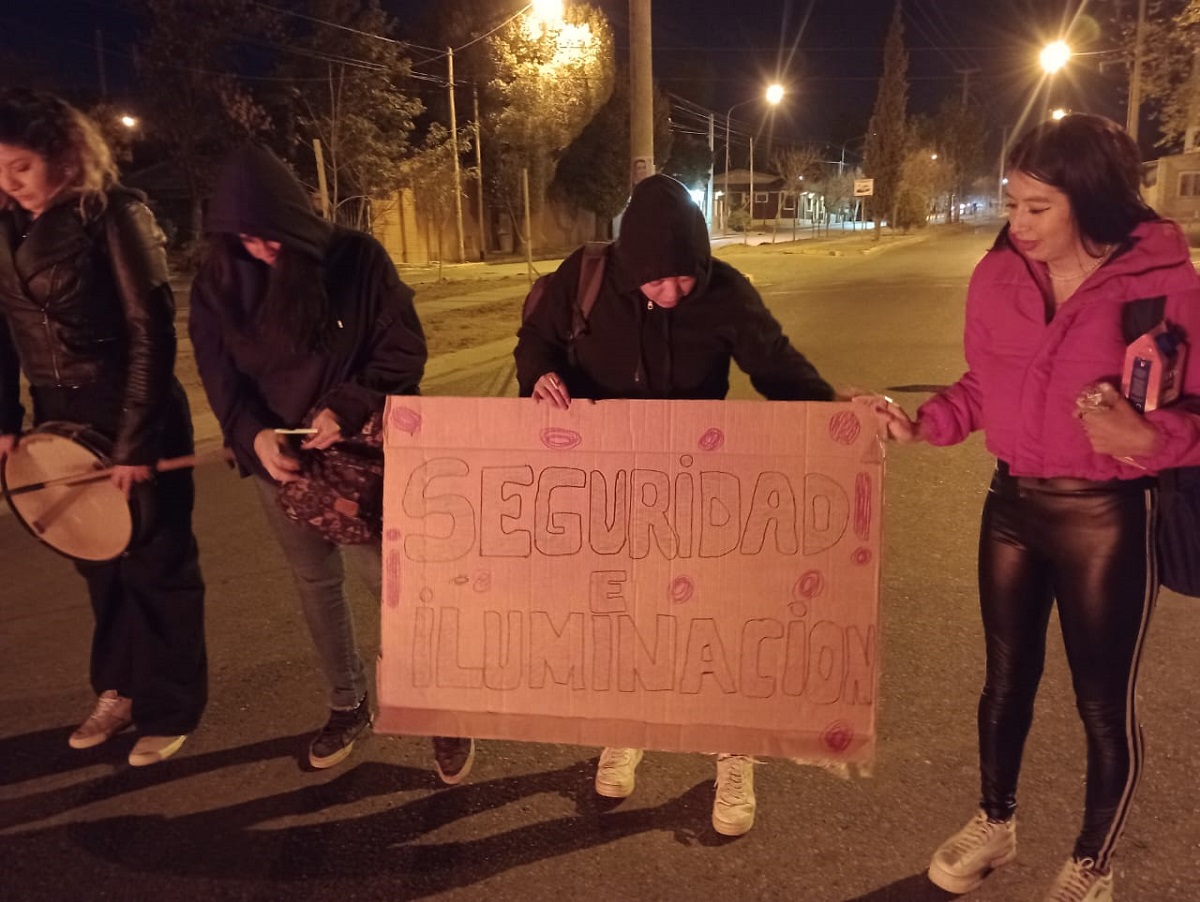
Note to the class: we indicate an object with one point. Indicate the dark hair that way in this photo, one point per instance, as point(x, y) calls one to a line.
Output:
point(1096, 165)
point(294, 307)
point(69, 142)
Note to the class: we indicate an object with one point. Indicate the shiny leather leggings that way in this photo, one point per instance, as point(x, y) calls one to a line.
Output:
point(1086, 545)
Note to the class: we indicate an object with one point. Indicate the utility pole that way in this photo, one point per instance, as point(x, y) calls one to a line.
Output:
point(322, 187)
point(750, 222)
point(711, 147)
point(458, 220)
point(101, 73)
point(966, 84)
point(641, 92)
point(479, 172)
point(1133, 113)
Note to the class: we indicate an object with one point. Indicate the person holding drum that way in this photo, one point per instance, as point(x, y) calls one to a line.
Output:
point(86, 312)
point(299, 325)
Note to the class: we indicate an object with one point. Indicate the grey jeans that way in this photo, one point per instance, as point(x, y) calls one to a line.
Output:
point(320, 574)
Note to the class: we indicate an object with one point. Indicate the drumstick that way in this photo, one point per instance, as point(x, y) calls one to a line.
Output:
point(296, 431)
point(163, 466)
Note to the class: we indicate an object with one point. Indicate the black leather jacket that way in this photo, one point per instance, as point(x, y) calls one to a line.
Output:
point(86, 302)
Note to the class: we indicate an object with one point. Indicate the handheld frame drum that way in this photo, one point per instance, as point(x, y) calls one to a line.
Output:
point(57, 483)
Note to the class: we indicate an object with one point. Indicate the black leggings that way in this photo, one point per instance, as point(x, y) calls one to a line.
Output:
point(1086, 545)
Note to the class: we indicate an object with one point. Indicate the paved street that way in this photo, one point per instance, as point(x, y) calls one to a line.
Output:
point(234, 816)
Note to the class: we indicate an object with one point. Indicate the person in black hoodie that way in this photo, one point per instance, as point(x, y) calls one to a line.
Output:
point(293, 318)
point(667, 322)
point(87, 313)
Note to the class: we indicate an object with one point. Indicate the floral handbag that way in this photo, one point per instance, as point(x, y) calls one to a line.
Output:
point(340, 490)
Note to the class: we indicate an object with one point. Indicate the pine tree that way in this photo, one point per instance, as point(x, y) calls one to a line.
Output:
point(887, 133)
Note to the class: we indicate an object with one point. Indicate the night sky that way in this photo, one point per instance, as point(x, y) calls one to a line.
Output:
point(718, 52)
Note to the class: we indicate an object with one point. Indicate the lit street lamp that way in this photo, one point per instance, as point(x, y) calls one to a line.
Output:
point(773, 95)
point(1054, 56)
point(1060, 113)
point(129, 122)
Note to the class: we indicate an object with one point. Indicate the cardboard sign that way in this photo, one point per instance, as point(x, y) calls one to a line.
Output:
point(684, 575)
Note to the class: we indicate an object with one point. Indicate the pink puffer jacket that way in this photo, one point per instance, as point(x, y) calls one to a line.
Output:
point(1024, 373)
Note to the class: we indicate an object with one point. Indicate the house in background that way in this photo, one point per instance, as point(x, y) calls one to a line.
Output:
point(1171, 185)
point(770, 200)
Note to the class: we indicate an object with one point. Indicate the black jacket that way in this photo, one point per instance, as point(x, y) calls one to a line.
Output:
point(378, 347)
point(634, 349)
point(87, 305)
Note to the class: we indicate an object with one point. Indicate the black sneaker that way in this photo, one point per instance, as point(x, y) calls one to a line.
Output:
point(453, 758)
point(332, 745)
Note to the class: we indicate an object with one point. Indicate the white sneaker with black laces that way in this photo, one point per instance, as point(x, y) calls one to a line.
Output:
point(963, 861)
point(112, 714)
point(616, 774)
point(734, 805)
point(1079, 881)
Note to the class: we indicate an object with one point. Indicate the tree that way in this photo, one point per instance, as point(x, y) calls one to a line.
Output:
point(688, 157)
point(548, 84)
point(957, 135)
point(1170, 73)
point(798, 167)
point(594, 170)
point(925, 178)
point(887, 132)
point(429, 174)
point(350, 94)
point(195, 102)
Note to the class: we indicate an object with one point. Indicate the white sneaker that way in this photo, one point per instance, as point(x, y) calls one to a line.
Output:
point(962, 862)
point(153, 749)
point(616, 773)
point(112, 714)
point(1079, 881)
point(733, 808)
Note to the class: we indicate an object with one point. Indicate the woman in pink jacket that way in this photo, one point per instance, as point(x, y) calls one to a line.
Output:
point(1070, 513)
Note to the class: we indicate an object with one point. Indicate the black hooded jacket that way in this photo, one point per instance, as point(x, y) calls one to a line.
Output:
point(633, 348)
point(378, 347)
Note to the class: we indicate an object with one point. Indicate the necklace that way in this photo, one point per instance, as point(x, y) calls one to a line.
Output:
point(1084, 272)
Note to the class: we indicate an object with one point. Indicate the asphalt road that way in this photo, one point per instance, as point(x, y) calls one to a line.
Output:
point(234, 816)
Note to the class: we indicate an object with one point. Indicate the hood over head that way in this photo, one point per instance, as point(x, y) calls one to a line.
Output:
point(258, 195)
point(662, 235)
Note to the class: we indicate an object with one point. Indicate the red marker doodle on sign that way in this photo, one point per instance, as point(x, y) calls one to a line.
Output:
point(558, 439)
point(393, 535)
point(395, 564)
point(844, 427)
point(712, 440)
point(406, 419)
point(862, 506)
point(810, 585)
point(483, 581)
point(862, 556)
point(838, 736)
point(681, 589)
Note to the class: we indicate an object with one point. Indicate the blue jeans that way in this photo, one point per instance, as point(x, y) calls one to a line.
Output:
point(320, 574)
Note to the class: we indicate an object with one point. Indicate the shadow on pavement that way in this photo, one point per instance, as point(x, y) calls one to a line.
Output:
point(251, 840)
point(916, 888)
point(43, 754)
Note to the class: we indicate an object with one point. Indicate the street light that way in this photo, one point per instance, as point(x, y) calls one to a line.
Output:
point(773, 95)
point(1054, 56)
point(129, 121)
point(1060, 113)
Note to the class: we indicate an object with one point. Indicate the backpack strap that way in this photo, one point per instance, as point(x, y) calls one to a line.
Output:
point(591, 277)
point(1140, 316)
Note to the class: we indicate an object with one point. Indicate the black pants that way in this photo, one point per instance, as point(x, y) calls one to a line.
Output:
point(148, 642)
point(1087, 546)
